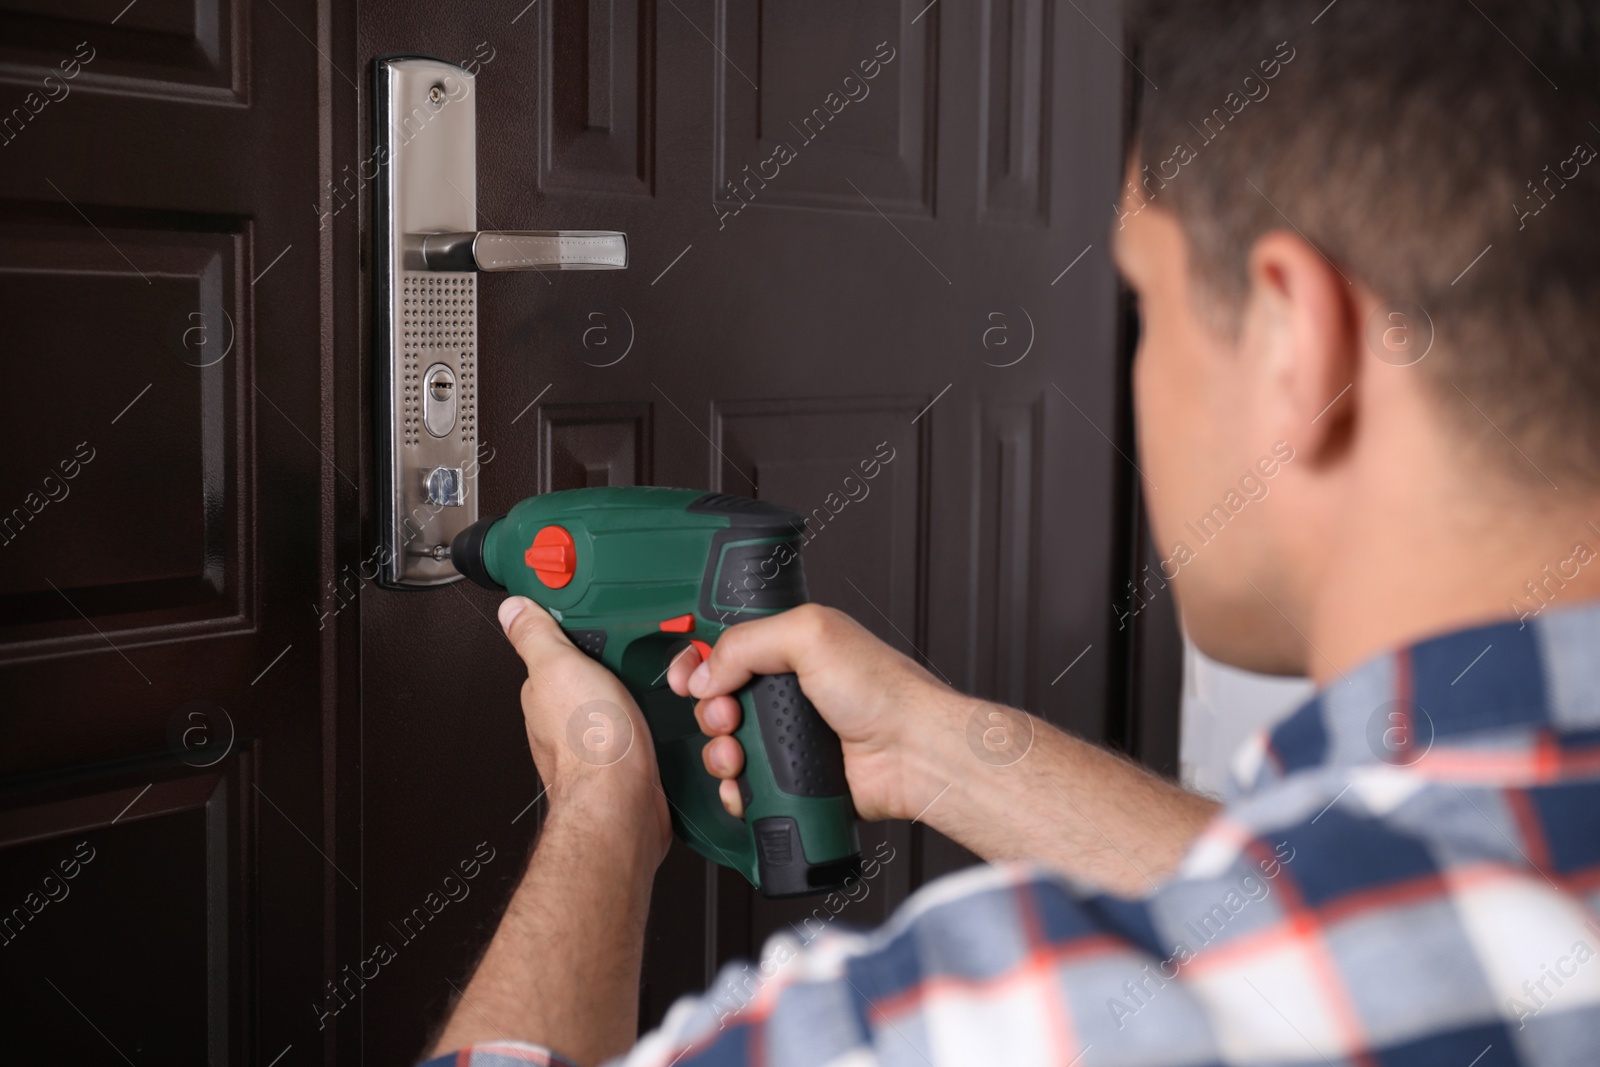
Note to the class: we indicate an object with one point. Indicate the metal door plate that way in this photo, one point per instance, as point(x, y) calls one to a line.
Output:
point(426, 151)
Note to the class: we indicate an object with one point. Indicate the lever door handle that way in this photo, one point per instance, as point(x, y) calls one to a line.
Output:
point(480, 250)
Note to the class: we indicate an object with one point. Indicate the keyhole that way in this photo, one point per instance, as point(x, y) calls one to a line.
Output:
point(439, 400)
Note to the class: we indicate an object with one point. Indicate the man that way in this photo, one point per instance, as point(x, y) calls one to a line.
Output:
point(1363, 241)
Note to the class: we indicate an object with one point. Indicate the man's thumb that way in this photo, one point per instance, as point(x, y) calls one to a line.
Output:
point(525, 622)
point(510, 608)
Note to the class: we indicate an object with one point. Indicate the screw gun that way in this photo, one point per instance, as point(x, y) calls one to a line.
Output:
point(634, 575)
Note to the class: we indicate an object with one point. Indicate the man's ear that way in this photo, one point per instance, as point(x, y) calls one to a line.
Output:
point(1304, 315)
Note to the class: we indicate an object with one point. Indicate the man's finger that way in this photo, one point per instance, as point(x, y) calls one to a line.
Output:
point(723, 757)
point(729, 792)
point(682, 665)
point(774, 645)
point(718, 716)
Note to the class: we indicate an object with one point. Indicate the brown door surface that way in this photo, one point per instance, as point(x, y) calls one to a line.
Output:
point(235, 773)
point(171, 854)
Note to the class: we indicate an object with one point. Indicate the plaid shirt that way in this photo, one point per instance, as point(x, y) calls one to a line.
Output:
point(1409, 873)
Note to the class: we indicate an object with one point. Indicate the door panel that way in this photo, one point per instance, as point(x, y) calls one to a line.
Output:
point(168, 49)
point(597, 115)
point(183, 456)
point(152, 888)
point(850, 466)
point(783, 62)
point(858, 474)
point(582, 445)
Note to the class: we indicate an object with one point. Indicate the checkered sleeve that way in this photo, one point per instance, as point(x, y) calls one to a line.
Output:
point(1371, 919)
point(987, 947)
point(1002, 964)
point(1338, 938)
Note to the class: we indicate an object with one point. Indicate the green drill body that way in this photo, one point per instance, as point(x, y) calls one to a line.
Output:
point(697, 562)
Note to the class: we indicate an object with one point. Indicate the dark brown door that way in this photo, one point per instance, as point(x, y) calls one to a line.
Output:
point(858, 233)
point(171, 857)
point(235, 775)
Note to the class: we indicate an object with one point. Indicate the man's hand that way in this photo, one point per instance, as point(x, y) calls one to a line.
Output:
point(870, 694)
point(914, 748)
point(563, 968)
point(587, 735)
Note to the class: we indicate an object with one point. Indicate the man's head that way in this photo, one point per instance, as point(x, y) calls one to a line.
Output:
point(1366, 244)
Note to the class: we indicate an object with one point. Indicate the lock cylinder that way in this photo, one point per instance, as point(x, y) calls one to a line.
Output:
point(439, 400)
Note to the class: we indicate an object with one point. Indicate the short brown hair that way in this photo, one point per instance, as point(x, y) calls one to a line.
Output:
point(1442, 154)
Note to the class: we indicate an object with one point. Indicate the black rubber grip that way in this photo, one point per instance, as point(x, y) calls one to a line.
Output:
point(752, 578)
point(590, 642)
point(783, 866)
point(802, 749)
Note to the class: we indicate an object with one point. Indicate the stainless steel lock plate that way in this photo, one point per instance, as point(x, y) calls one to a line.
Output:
point(426, 335)
point(427, 255)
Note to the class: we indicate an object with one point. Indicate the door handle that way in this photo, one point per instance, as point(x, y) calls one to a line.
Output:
point(428, 252)
point(525, 250)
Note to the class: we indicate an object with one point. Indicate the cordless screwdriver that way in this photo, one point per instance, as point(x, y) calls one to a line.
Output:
point(635, 575)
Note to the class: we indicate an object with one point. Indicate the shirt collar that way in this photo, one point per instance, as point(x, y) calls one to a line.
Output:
point(1477, 687)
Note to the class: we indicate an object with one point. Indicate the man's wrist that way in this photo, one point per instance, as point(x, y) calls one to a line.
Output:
point(607, 766)
point(563, 968)
point(622, 813)
point(965, 764)
point(930, 746)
